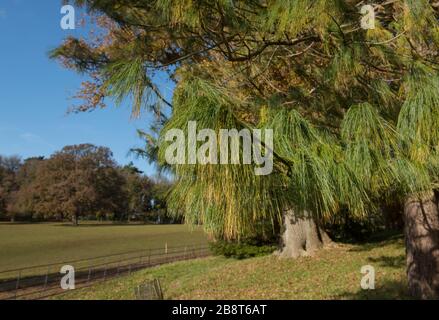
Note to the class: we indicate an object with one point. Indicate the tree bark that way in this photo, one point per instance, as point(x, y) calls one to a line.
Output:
point(422, 245)
point(301, 236)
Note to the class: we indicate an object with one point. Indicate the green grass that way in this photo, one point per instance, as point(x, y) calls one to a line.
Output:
point(24, 245)
point(331, 274)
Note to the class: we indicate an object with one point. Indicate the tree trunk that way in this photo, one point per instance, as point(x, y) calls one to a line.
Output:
point(422, 245)
point(301, 236)
point(75, 220)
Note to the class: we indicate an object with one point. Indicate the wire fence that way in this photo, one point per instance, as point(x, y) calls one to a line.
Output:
point(43, 281)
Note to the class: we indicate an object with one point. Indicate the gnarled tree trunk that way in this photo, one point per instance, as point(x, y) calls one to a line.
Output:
point(422, 246)
point(301, 236)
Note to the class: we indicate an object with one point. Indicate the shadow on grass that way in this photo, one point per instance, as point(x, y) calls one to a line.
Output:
point(84, 224)
point(116, 224)
point(19, 223)
point(389, 290)
point(379, 240)
point(396, 262)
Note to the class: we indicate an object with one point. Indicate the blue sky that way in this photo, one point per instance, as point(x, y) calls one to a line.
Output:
point(35, 92)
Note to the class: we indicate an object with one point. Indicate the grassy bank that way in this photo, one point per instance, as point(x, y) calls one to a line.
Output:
point(332, 274)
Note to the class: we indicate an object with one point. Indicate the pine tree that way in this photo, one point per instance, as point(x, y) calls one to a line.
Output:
point(355, 112)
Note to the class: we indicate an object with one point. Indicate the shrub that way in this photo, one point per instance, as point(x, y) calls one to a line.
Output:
point(243, 249)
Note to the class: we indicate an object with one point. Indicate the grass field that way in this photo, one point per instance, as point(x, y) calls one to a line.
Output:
point(24, 245)
point(332, 274)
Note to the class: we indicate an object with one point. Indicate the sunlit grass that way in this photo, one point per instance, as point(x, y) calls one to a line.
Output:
point(332, 274)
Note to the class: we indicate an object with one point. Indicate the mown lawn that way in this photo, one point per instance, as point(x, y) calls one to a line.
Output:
point(332, 274)
point(24, 245)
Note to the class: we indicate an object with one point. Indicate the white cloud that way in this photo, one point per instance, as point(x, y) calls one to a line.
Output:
point(35, 139)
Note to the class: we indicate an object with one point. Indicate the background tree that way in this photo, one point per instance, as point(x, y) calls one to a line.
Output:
point(9, 166)
point(355, 112)
point(26, 197)
point(79, 180)
point(138, 189)
point(159, 202)
point(2, 193)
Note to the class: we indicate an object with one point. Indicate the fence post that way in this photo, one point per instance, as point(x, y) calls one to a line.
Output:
point(105, 270)
point(47, 278)
point(17, 285)
point(89, 274)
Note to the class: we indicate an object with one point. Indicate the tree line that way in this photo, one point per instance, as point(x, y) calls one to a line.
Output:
point(79, 181)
